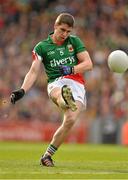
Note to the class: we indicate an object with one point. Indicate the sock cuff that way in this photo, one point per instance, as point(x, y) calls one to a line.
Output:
point(53, 147)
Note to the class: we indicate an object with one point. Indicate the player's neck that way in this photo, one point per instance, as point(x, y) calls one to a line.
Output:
point(56, 41)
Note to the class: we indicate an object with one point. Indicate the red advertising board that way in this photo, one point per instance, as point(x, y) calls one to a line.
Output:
point(38, 131)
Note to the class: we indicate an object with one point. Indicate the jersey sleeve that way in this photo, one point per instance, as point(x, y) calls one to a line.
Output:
point(78, 45)
point(37, 52)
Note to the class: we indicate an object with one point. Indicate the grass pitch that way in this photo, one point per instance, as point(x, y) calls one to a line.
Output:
point(73, 161)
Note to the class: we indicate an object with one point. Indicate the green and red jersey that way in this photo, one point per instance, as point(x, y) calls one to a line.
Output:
point(53, 56)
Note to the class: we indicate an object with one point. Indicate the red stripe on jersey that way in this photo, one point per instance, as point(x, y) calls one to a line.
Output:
point(77, 77)
point(34, 56)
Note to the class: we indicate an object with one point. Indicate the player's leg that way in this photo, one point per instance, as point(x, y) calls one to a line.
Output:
point(63, 98)
point(70, 118)
point(61, 133)
point(61, 94)
point(57, 98)
point(68, 97)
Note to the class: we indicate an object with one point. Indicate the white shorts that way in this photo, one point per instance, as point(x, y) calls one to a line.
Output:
point(78, 89)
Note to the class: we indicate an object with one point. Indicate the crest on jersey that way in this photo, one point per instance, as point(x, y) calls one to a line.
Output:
point(70, 48)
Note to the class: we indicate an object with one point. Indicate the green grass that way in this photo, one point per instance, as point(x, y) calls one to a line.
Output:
point(73, 161)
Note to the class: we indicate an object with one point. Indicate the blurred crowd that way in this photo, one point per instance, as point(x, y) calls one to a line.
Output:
point(102, 25)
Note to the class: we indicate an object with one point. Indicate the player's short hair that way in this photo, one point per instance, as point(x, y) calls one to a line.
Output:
point(65, 18)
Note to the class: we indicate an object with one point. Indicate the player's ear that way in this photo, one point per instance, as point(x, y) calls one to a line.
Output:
point(55, 26)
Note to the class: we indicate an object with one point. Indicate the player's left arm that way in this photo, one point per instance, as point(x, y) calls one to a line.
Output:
point(85, 62)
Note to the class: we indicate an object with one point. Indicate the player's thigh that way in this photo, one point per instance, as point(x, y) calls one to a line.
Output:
point(54, 89)
point(54, 94)
point(73, 115)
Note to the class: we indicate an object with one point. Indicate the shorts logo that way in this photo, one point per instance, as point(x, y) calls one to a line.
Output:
point(51, 87)
point(79, 97)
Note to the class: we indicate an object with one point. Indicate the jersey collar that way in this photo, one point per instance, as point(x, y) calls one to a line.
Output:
point(50, 39)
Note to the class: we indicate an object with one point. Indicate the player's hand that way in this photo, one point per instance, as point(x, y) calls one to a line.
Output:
point(16, 95)
point(66, 70)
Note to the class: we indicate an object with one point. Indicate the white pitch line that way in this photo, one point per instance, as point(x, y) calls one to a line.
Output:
point(65, 172)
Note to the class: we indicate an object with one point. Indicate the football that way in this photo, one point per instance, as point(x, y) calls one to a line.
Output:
point(118, 61)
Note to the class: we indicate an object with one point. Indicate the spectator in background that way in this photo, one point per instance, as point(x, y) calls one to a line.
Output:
point(102, 25)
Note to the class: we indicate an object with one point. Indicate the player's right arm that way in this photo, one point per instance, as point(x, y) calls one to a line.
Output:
point(31, 76)
point(29, 80)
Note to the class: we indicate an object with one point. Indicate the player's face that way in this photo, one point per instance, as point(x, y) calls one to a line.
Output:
point(61, 32)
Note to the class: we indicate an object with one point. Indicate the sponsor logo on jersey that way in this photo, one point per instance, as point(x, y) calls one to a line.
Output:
point(70, 48)
point(50, 52)
point(69, 60)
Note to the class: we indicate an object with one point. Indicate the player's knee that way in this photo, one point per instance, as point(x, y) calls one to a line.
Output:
point(69, 122)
